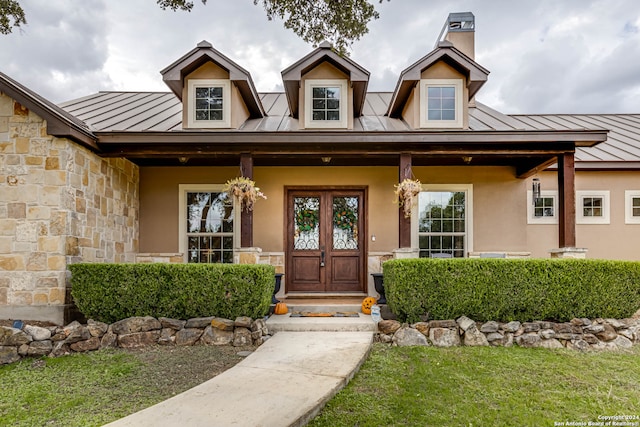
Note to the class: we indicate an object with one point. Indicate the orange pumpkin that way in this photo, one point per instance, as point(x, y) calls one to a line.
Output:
point(281, 308)
point(367, 303)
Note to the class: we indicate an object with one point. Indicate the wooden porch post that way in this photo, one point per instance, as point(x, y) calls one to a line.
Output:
point(404, 224)
point(246, 218)
point(566, 201)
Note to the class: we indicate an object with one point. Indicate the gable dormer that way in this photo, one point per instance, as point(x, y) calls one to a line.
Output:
point(325, 90)
point(215, 91)
point(437, 90)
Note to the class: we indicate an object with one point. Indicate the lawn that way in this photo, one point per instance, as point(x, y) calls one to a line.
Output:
point(487, 386)
point(92, 389)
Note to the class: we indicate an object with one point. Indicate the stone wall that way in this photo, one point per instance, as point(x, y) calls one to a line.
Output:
point(134, 332)
point(579, 334)
point(59, 203)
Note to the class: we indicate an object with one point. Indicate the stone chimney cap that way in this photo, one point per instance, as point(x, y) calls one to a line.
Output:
point(461, 21)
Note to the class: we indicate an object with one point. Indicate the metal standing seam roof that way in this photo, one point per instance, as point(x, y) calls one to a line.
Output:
point(162, 111)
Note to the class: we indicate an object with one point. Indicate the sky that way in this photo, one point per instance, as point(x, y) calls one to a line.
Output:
point(545, 56)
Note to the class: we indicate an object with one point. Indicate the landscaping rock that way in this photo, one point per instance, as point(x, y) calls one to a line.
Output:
point(622, 342)
point(243, 322)
point(222, 324)
point(444, 337)
point(590, 338)
point(568, 336)
point(167, 336)
point(388, 327)
point(109, 340)
point(545, 325)
point(511, 326)
point(580, 345)
point(580, 322)
point(60, 349)
point(76, 333)
point(37, 333)
point(489, 327)
point(530, 327)
point(567, 328)
point(473, 337)
point(547, 333)
point(495, 338)
point(136, 324)
point(174, 324)
point(387, 339)
point(242, 337)
point(465, 323)
point(528, 340)
point(594, 329)
point(13, 336)
point(422, 327)
point(40, 348)
point(199, 322)
point(8, 354)
point(188, 336)
point(23, 350)
point(627, 334)
point(97, 329)
point(259, 325)
point(405, 337)
point(550, 344)
point(91, 344)
point(617, 324)
point(214, 336)
point(255, 335)
point(609, 333)
point(448, 324)
point(139, 339)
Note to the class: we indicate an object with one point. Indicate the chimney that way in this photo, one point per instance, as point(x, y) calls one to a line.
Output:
point(460, 31)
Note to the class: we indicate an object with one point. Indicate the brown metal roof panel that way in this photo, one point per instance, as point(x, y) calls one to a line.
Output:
point(117, 106)
point(160, 120)
point(586, 155)
point(104, 104)
point(135, 111)
point(377, 104)
point(280, 107)
point(73, 105)
point(508, 122)
point(477, 125)
point(393, 125)
point(289, 124)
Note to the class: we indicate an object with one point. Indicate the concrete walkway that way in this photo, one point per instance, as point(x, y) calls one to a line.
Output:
point(285, 382)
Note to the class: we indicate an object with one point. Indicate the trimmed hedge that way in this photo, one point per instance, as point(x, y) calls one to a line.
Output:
point(111, 292)
point(506, 290)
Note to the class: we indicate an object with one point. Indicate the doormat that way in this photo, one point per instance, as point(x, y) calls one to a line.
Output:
point(325, 314)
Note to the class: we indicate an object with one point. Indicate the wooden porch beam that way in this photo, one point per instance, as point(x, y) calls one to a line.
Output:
point(566, 201)
point(246, 217)
point(404, 224)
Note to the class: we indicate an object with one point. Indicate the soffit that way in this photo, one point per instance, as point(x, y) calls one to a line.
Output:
point(358, 76)
point(475, 74)
point(174, 74)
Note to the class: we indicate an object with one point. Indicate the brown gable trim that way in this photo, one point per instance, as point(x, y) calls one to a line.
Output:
point(292, 75)
point(59, 122)
point(476, 74)
point(174, 74)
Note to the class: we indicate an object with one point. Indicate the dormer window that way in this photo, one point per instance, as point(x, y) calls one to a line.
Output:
point(441, 103)
point(326, 103)
point(209, 103)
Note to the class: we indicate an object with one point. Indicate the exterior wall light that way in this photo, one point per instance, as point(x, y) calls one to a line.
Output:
point(535, 189)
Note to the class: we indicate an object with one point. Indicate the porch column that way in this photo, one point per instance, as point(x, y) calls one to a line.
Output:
point(246, 217)
point(404, 224)
point(566, 201)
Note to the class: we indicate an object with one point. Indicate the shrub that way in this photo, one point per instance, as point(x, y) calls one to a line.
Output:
point(111, 292)
point(505, 290)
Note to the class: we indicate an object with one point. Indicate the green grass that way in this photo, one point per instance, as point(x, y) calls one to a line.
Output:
point(485, 386)
point(93, 389)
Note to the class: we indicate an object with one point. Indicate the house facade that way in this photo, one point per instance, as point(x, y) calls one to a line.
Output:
point(138, 176)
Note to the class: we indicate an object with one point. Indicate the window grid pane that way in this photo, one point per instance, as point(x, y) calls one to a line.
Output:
point(441, 224)
point(209, 227)
point(441, 103)
point(543, 207)
point(326, 103)
point(209, 105)
point(635, 206)
point(592, 206)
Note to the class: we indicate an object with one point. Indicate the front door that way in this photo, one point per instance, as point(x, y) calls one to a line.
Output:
point(325, 240)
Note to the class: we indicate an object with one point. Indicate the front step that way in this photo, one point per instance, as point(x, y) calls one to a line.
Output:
point(362, 323)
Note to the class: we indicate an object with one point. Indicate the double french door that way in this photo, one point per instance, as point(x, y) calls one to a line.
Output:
point(325, 240)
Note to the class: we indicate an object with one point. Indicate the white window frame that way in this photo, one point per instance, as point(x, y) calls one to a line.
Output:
point(468, 189)
point(604, 219)
point(183, 189)
point(425, 84)
point(226, 103)
point(531, 219)
point(629, 195)
point(308, 107)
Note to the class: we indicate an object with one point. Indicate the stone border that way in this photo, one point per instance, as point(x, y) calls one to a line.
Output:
point(578, 334)
point(134, 332)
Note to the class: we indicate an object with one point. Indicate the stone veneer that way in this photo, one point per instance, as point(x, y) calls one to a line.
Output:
point(60, 203)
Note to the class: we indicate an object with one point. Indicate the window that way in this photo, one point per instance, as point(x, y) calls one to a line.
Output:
point(208, 224)
point(544, 210)
point(209, 103)
point(444, 221)
point(632, 206)
point(326, 104)
point(441, 105)
point(592, 207)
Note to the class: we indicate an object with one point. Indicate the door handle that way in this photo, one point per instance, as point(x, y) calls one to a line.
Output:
point(322, 258)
